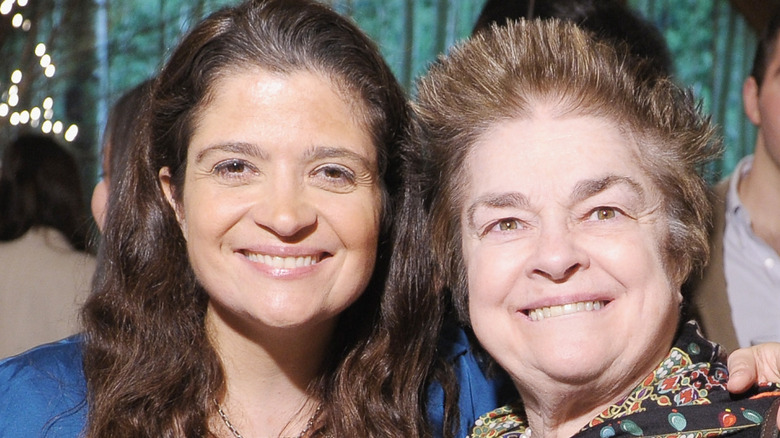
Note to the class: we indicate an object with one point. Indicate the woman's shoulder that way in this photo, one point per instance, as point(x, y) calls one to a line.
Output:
point(478, 390)
point(60, 359)
point(43, 391)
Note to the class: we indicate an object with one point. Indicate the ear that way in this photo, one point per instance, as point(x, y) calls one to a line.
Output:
point(99, 203)
point(750, 100)
point(165, 182)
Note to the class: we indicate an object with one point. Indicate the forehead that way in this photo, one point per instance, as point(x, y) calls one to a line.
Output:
point(298, 90)
point(272, 109)
point(258, 85)
point(549, 151)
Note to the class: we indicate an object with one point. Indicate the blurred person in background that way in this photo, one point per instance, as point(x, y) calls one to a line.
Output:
point(122, 129)
point(738, 296)
point(610, 20)
point(45, 271)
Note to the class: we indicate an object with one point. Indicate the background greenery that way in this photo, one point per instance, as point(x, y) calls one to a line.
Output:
point(102, 47)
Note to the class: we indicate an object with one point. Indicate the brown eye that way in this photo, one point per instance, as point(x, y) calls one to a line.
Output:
point(230, 167)
point(605, 213)
point(234, 171)
point(508, 224)
point(334, 175)
point(235, 167)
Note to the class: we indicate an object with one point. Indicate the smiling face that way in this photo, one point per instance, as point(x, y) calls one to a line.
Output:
point(281, 201)
point(561, 233)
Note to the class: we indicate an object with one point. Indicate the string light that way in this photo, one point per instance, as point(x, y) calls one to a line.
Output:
point(71, 133)
point(6, 7)
point(33, 115)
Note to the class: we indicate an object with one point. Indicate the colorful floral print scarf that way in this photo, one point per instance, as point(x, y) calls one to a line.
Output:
point(685, 396)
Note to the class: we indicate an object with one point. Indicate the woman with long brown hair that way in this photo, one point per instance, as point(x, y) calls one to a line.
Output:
point(247, 247)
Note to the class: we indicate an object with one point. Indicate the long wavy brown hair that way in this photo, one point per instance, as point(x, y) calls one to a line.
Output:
point(150, 368)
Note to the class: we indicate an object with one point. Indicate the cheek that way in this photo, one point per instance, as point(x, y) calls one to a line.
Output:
point(204, 214)
point(639, 264)
point(359, 221)
point(491, 275)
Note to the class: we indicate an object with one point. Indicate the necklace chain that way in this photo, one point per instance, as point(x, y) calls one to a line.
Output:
point(237, 434)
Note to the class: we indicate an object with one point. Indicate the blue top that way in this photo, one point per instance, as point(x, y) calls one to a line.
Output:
point(477, 394)
point(43, 391)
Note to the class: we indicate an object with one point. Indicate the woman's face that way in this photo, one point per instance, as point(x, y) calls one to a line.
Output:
point(562, 233)
point(281, 200)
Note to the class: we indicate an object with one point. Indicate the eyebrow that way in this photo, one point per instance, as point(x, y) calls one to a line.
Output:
point(582, 190)
point(313, 153)
point(495, 200)
point(236, 147)
point(585, 189)
point(318, 153)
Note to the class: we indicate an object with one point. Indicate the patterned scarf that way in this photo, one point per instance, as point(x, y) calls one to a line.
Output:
point(685, 396)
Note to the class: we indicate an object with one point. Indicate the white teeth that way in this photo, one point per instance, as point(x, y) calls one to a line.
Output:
point(282, 262)
point(553, 311)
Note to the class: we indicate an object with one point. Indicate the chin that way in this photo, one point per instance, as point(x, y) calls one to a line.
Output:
point(570, 361)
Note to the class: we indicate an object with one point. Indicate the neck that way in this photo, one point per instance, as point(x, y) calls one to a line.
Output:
point(268, 373)
point(561, 414)
point(562, 409)
point(759, 192)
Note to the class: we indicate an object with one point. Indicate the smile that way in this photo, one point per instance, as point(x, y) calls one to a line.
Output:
point(565, 309)
point(279, 262)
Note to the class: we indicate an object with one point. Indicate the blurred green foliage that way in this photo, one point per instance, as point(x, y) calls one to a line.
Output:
point(710, 43)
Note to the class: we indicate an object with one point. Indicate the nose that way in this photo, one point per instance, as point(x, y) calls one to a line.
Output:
point(286, 210)
point(557, 255)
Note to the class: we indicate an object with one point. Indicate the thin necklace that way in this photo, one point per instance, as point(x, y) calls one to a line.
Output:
point(237, 434)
